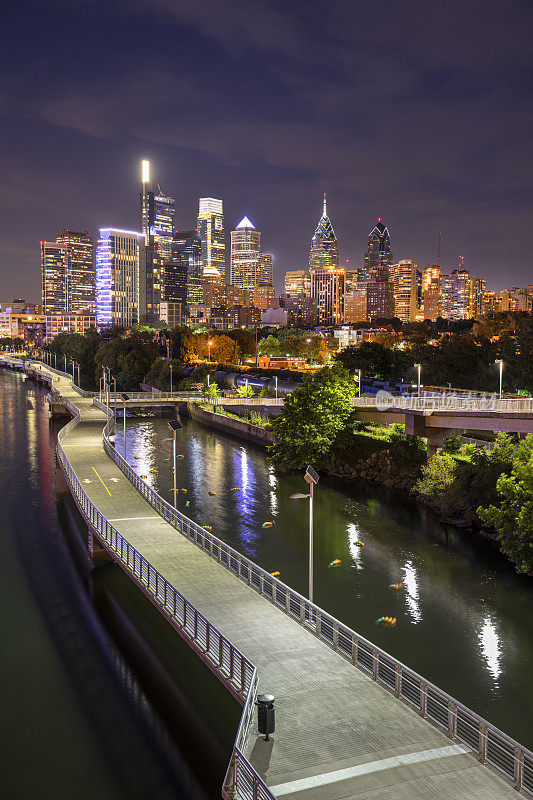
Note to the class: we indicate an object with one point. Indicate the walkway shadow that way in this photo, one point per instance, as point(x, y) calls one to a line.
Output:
point(261, 755)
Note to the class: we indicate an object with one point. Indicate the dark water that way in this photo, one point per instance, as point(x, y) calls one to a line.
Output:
point(464, 617)
point(83, 692)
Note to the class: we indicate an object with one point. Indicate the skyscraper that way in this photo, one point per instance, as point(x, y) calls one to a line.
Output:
point(327, 288)
point(245, 251)
point(80, 279)
point(157, 225)
point(211, 233)
point(404, 277)
point(431, 292)
point(120, 277)
point(379, 252)
point(187, 251)
point(324, 251)
point(298, 281)
point(264, 269)
point(55, 265)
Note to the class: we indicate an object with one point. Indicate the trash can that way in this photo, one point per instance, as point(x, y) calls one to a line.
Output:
point(266, 721)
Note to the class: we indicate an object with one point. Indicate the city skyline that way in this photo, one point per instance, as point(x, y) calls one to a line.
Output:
point(450, 156)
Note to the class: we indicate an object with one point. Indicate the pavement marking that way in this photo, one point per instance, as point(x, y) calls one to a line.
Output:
point(365, 769)
point(103, 484)
point(126, 519)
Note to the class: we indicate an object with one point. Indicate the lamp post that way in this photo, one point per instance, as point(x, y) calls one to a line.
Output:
point(73, 363)
point(170, 365)
point(500, 362)
point(209, 343)
point(65, 363)
point(359, 381)
point(124, 398)
point(419, 367)
point(311, 477)
point(276, 385)
point(174, 426)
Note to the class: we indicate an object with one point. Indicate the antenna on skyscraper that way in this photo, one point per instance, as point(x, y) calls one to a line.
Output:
point(438, 250)
point(325, 212)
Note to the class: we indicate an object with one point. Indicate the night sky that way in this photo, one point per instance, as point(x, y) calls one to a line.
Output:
point(414, 111)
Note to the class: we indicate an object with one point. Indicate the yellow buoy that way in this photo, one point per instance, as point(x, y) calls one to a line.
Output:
point(396, 585)
point(153, 470)
point(180, 456)
point(144, 476)
point(360, 544)
point(236, 489)
point(183, 490)
point(208, 527)
point(334, 563)
point(267, 524)
point(134, 465)
point(212, 494)
point(166, 459)
point(275, 574)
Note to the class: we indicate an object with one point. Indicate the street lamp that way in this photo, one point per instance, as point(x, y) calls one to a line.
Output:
point(174, 426)
point(65, 363)
point(500, 362)
point(419, 367)
point(209, 350)
point(170, 365)
point(125, 398)
point(359, 381)
point(311, 477)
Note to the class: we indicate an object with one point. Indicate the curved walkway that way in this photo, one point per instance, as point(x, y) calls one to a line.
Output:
point(338, 733)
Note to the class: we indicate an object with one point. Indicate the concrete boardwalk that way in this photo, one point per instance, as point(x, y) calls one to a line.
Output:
point(338, 734)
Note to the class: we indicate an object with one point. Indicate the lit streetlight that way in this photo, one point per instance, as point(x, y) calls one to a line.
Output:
point(419, 368)
point(209, 350)
point(359, 381)
point(500, 362)
point(170, 365)
point(174, 426)
point(311, 477)
point(124, 398)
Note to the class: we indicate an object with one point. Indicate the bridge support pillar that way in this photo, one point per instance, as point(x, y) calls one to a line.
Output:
point(96, 551)
point(416, 425)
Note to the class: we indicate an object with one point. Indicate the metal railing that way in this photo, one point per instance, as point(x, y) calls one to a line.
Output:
point(504, 755)
point(487, 404)
point(244, 401)
point(61, 374)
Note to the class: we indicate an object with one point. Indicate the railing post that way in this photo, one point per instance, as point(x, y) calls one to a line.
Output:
point(243, 674)
point(397, 679)
point(355, 647)
point(518, 767)
point(452, 719)
point(482, 743)
point(231, 665)
point(375, 661)
point(423, 698)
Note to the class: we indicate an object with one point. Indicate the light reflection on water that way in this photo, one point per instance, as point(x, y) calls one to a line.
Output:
point(461, 618)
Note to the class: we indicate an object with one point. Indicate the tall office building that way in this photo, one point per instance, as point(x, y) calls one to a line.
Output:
point(174, 282)
point(187, 251)
point(431, 292)
point(298, 281)
point(120, 278)
point(379, 253)
point(80, 277)
point(211, 233)
point(245, 252)
point(324, 251)
point(157, 225)
point(55, 265)
point(456, 290)
point(404, 277)
point(264, 268)
point(327, 288)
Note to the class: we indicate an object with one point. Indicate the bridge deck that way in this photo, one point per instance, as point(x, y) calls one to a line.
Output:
point(338, 733)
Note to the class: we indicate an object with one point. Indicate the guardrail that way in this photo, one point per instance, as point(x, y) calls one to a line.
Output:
point(504, 755)
point(61, 374)
point(244, 401)
point(488, 404)
point(231, 666)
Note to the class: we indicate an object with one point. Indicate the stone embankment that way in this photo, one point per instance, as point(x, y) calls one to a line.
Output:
point(242, 429)
point(379, 468)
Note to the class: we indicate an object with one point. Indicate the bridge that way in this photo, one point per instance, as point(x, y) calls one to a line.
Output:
point(352, 721)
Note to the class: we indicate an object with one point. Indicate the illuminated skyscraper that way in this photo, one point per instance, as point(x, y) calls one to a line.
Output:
point(379, 252)
point(157, 225)
point(298, 281)
point(55, 266)
point(120, 278)
point(431, 292)
point(80, 277)
point(245, 251)
point(404, 277)
point(187, 252)
point(327, 288)
point(324, 251)
point(211, 233)
point(264, 268)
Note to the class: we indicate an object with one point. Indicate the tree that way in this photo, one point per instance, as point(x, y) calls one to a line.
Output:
point(269, 346)
point(439, 487)
point(512, 518)
point(375, 361)
point(222, 349)
point(129, 358)
point(211, 390)
point(312, 416)
point(245, 390)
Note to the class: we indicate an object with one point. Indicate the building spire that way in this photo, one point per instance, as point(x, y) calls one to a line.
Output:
point(325, 212)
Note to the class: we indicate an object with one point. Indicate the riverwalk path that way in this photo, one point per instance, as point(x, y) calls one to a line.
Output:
point(339, 734)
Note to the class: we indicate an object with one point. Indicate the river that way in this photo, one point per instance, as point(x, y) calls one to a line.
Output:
point(463, 617)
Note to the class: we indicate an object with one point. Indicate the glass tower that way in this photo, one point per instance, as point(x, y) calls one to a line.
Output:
point(379, 253)
point(80, 278)
point(120, 277)
point(324, 251)
point(55, 265)
point(245, 252)
point(211, 233)
point(187, 253)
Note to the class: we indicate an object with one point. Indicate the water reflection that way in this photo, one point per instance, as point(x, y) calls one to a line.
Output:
point(491, 648)
point(355, 551)
point(411, 592)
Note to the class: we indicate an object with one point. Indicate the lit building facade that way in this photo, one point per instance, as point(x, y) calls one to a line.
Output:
point(264, 268)
point(157, 224)
point(80, 277)
point(120, 278)
point(245, 251)
point(379, 253)
point(187, 251)
point(355, 304)
point(404, 277)
point(301, 310)
point(298, 282)
point(327, 288)
point(225, 295)
point(174, 282)
point(211, 233)
point(68, 323)
point(324, 253)
point(263, 296)
point(431, 292)
point(172, 313)
point(455, 298)
point(55, 261)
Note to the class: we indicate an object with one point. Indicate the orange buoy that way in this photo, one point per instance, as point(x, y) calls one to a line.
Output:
point(335, 562)
point(208, 527)
point(212, 494)
point(275, 574)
